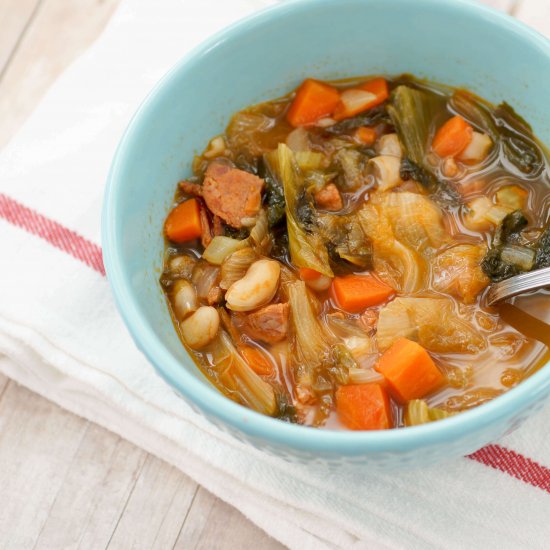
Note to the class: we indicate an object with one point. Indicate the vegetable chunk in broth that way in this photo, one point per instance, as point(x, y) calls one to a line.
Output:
point(327, 261)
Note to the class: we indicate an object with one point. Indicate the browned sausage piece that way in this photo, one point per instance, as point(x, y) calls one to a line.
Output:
point(328, 198)
point(232, 194)
point(206, 235)
point(269, 323)
point(190, 188)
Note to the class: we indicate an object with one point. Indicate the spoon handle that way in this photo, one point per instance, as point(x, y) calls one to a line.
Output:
point(526, 282)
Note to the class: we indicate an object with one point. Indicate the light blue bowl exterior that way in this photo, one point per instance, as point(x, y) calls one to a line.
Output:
point(262, 57)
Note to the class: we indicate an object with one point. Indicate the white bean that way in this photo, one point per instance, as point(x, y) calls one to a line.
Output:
point(216, 147)
point(256, 288)
point(200, 328)
point(184, 299)
point(389, 145)
point(298, 139)
point(319, 284)
point(477, 150)
point(386, 171)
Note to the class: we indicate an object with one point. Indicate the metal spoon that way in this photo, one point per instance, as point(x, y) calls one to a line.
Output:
point(520, 284)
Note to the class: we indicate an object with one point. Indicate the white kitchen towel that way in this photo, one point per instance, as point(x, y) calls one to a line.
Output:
point(61, 336)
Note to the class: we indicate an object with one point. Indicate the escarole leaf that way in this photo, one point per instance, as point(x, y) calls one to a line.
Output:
point(412, 113)
point(507, 256)
point(467, 106)
point(543, 249)
point(319, 365)
point(506, 127)
point(235, 375)
point(306, 247)
point(418, 413)
point(312, 341)
point(274, 195)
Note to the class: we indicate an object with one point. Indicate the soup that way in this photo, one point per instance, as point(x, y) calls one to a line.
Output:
point(326, 264)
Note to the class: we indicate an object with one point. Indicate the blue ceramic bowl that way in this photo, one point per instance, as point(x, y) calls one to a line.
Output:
point(265, 56)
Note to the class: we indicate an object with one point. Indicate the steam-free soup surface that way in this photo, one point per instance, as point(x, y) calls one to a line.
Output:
point(326, 263)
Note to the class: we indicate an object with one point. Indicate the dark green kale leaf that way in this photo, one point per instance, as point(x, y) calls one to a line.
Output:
point(506, 257)
point(373, 116)
point(274, 197)
point(543, 250)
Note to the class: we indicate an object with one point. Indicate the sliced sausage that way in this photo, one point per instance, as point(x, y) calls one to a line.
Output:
point(232, 194)
point(190, 188)
point(269, 324)
point(206, 235)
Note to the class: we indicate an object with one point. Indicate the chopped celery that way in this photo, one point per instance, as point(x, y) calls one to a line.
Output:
point(309, 160)
point(520, 256)
point(418, 413)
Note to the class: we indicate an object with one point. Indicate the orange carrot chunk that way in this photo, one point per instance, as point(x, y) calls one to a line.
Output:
point(307, 274)
point(364, 407)
point(354, 293)
point(183, 223)
point(313, 101)
point(366, 135)
point(453, 137)
point(409, 370)
point(256, 360)
point(365, 96)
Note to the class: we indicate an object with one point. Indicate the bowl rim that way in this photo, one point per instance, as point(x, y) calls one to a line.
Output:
point(204, 394)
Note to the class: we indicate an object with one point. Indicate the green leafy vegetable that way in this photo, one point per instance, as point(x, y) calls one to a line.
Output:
point(244, 385)
point(505, 127)
point(319, 365)
point(412, 112)
point(312, 341)
point(507, 257)
point(352, 169)
point(274, 196)
point(518, 146)
point(306, 246)
point(372, 117)
point(346, 238)
point(543, 250)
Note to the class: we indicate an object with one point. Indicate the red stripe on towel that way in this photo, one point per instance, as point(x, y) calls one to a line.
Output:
point(514, 464)
point(497, 457)
point(57, 235)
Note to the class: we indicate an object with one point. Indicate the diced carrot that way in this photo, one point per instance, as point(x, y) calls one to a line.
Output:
point(453, 137)
point(313, 101)
point(409, 370)
point(307, 274)
point(351, 102)
point(366, 135)
point(378, 87)
point(364, 407)
point(354, 293)
point(184, 223)
point(256, 360)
